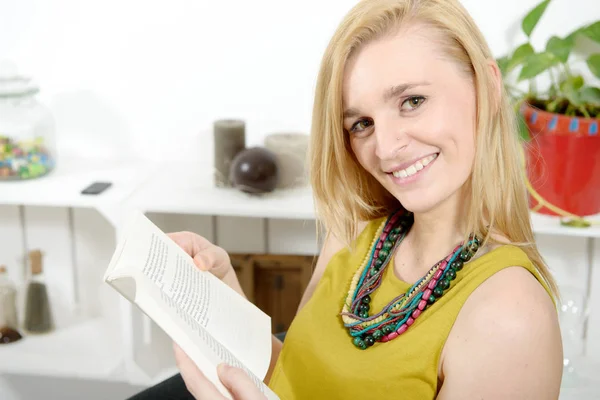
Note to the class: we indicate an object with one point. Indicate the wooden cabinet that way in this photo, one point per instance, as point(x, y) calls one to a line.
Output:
point(274, 283)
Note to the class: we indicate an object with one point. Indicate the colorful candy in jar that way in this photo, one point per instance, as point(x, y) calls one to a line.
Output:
point(24, 159)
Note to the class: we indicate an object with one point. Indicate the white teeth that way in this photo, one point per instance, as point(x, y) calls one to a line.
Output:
point(416, 167)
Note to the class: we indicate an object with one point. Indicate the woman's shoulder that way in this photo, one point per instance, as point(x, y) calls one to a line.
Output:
point(508, 325)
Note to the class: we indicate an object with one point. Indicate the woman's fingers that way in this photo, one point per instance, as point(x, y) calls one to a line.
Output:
point(215, 259)
point(238, 383)
point(206, 255)
point(195, 381)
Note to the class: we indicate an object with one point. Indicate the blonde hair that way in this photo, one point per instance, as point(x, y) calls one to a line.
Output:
point(346, 194)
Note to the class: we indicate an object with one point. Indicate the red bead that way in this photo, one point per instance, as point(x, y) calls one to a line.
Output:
point(409, 321)
point(427, 294)
point(432, 284)
point(379, 245)
point(438, 274)
point(416, 314)
point(402, 329)
point(388, 228)
point(423, 303)
point(392, 335)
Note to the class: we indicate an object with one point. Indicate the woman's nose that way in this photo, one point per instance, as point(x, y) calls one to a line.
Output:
point(390, 138)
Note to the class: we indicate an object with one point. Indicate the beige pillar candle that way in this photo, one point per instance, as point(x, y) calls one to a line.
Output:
point(229, 140)
point(291, 149)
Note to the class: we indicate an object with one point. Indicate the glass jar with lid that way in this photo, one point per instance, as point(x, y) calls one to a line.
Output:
point(27, 131)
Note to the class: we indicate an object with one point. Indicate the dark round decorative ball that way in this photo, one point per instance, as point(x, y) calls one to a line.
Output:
point(254, 170)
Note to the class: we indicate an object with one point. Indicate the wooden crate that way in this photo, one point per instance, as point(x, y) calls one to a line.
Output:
point(274, 283)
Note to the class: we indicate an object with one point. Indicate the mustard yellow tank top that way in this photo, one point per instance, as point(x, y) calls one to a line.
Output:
point(319, 361)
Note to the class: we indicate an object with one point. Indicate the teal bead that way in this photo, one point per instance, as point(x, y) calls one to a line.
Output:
point(438, 292)
point(457, 265)
point(377, 335)
point(451, 274)
point(444, 284)
point(358, 342)
point(383, 254)
point(369, 341)
point(387, 329)
point(363, 314)
point(431, 299)
point(366, 299)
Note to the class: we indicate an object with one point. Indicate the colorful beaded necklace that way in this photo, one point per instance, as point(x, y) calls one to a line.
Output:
point(400, 313)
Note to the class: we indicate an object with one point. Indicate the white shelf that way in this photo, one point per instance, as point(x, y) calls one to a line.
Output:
point(550, 225)
point(63, 186)
point(85, 350)
point(190, 189)
point(185, 189)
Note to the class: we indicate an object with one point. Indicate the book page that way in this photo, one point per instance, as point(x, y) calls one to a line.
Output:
point(195, 341)
point(238, 325)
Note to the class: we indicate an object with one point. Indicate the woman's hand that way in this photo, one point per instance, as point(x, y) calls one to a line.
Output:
point(235, 380)
point(208, 257)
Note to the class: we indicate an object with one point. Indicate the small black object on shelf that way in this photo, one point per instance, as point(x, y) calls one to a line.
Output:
point(96, 188)
point(255, 170)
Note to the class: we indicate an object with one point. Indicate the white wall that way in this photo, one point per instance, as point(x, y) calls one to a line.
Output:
point(147, 77)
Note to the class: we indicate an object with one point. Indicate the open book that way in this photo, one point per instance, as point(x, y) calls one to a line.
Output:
point(211, 322)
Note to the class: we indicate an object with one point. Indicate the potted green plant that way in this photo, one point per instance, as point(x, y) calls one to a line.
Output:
point(560, 124)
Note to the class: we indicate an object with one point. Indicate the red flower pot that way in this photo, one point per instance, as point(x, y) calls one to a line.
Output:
point(563, 162)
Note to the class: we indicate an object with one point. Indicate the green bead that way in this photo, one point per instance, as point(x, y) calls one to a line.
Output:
point(358, 342)
point(375, 269)
point(474, 246)
point(364, 307)
point(444, 284)
point(431, 299)
point(451, 274)
point(369, 341)
point(393, 237)
point(383, 253)
point(465, 255)
point(366, 299)
point(378, 263)
point(438, 292)
point(363, 314)
point(377, 335)
point(387, 245)
point(396, 230)
point(387, 329)
point(457, 265)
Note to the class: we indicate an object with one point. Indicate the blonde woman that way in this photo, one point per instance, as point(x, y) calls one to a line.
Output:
point(429, 284)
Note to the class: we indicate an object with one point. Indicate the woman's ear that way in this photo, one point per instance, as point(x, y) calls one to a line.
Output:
point(496, 80)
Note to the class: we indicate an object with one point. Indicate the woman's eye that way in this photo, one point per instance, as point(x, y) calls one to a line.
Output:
point(412, 103)
point(361, 125)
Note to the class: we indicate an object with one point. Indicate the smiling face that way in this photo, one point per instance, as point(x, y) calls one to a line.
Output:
point(410, 115)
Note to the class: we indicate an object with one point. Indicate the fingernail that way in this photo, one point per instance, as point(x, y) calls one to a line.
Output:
point(202, 262)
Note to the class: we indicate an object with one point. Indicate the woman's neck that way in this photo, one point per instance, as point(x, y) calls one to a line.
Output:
point(435, 233)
